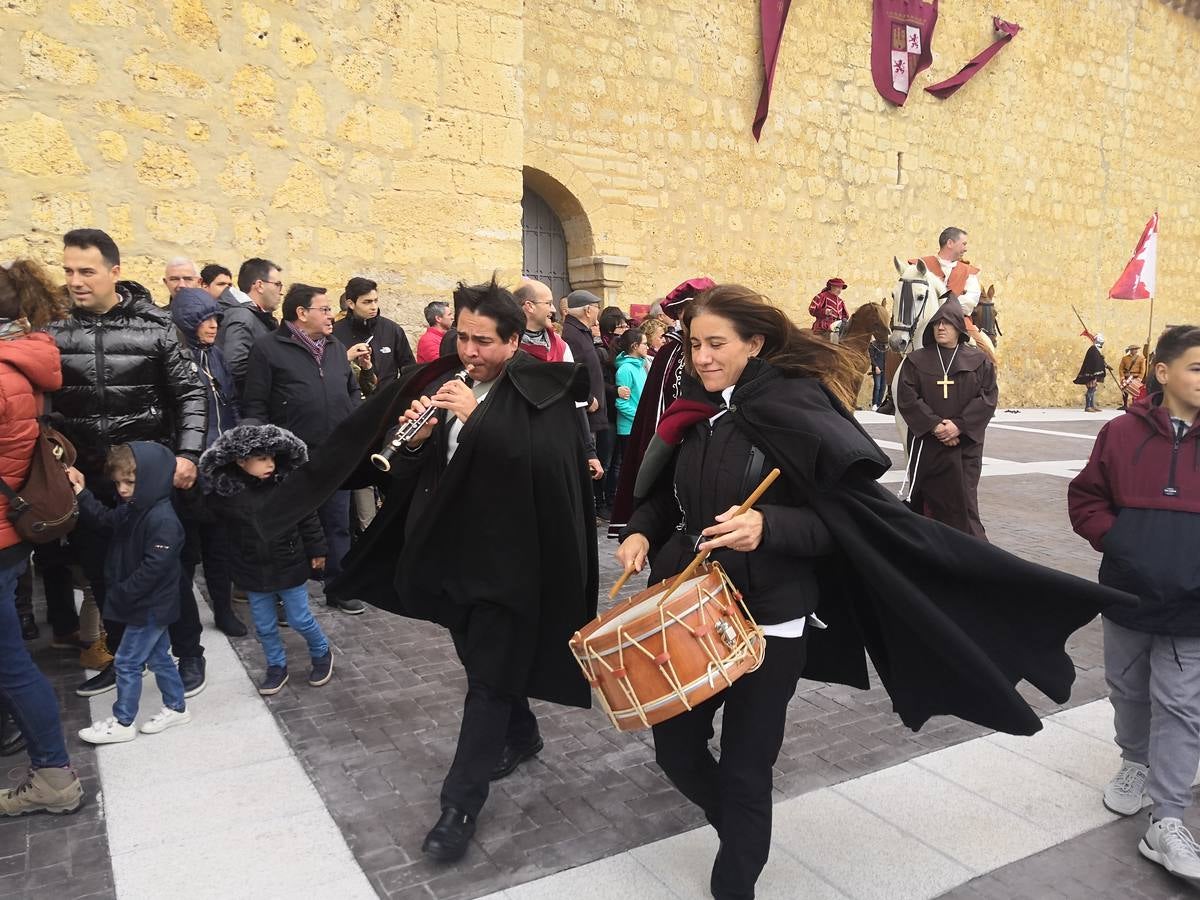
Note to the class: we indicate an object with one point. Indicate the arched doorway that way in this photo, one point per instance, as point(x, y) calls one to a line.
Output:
point(544, 244)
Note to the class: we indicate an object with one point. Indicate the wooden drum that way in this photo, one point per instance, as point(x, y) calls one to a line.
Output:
point(655, 656)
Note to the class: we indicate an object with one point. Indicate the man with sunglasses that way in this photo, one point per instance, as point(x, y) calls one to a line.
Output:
point(299, 378)
point(244, 323)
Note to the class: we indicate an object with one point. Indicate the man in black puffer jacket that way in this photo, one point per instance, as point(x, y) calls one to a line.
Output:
point(125, 378)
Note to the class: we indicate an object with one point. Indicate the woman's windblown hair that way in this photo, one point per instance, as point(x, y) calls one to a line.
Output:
point(785, 346)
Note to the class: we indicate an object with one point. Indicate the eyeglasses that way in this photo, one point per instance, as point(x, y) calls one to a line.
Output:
point(278, 284)
point(325, 309)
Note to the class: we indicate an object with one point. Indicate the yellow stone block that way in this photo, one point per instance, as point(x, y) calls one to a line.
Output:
point(361, 74)
point(166, 78)
point(296, 47)
point(252, 90)
point(111, 145)
point(61, 211)
point(365, 168)
point(165, 166)
point(376, 126)
point(250, 229)
point(302, 192)
point(325, 154)
point(48, 59)
point(190, 21)
point(112, 13)
point(135, 116)
point(308, 111)
point(120, 223)
point(239, 177)
point(258, 25)
point(182, 222)
point(39, 145)
point(198, 131)
point(345, 245)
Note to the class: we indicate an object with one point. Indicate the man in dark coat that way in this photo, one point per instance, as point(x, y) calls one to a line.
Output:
point(125, 378)
point(299, 378)
point(487, 529)
point(947, 395)
point(242, 324)
point(583, 313)
point(390, 350)
point(1091, 373)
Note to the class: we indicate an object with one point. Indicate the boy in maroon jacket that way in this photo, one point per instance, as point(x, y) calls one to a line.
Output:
point(1138, 502)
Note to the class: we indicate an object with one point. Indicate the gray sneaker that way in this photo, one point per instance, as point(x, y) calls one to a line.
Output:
point(1126, 793)
point(1171, 845)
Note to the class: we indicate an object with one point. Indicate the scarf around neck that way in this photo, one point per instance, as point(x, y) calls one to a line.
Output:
point(315, 347)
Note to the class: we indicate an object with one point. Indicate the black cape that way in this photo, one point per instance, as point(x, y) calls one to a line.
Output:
point(943, 641)
point(1093, 366)
point(510, 525)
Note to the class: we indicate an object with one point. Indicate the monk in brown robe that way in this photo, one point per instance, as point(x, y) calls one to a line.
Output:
point(947, 395)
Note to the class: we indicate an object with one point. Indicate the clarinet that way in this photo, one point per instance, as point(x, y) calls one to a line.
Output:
point(405, 433)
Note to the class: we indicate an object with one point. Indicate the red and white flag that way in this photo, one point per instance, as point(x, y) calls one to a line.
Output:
point(1137, 281)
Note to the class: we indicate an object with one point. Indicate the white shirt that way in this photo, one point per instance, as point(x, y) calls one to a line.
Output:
point(793, 628)
point(969, 298)
point(480, 390)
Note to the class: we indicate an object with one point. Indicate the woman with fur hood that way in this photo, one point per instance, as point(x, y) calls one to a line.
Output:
point(240, 473)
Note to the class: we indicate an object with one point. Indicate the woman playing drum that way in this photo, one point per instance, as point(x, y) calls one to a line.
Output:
point(742, 351)
point(824, 541)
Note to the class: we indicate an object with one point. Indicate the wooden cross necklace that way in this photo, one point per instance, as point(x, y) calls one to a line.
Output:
point(946, 379)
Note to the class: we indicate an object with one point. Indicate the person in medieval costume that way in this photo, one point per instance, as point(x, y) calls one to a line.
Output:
point(1091, 373)
point(947, 395)
point(828, 308)
point(1132, 373)
point(960, 277)
point(488, 529)
point(661, 389)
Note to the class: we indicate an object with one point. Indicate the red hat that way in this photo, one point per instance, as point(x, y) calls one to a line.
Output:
point(835, 282)
point(674, 302)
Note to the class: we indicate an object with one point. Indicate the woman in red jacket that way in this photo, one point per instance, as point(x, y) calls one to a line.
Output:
point(29, 368)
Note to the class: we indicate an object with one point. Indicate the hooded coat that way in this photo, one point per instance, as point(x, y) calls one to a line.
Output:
point(142, 568)
point(29, 367)
point(237, 499)
point(889, 581)
point(126, 378)
point(190, 307)
point(503, 534)
point(945, 479)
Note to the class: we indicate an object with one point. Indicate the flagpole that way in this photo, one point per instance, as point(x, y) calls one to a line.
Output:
point(1149, 330)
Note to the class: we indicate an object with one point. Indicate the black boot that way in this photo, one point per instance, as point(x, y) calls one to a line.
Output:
point(11, 739)
point(227, 620)
point(29, 628)
point(447, 841)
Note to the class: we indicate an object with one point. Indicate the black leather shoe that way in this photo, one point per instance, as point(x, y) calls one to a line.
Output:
point(29, 628)
point(510, 759)
point(11, 739)
point(229, 624)
point(447, 840)
point(98, 684)
point(191, 673)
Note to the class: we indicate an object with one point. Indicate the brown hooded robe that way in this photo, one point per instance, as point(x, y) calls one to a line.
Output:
point(945, 480)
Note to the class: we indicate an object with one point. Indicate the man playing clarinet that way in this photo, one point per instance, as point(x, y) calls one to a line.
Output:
point(488, 529)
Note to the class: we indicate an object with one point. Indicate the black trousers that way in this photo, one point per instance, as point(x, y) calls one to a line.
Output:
point(492, 720)
point(213, 542)
point(735, 793)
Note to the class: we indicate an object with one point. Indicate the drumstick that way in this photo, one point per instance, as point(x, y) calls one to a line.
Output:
point(700, 557)
point(616, 588)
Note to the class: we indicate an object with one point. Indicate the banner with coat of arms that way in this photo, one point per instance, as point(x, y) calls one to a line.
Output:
point(901, 45)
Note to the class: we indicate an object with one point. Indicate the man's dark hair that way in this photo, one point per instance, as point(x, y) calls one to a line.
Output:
point(299, 296)
point(493, 301)
point(357, 287)
point(120, 459)
point(252, 270)
point(433, 309)
point(1174, 342)
point(948, 235)
point(210, 272)
point(85, 238)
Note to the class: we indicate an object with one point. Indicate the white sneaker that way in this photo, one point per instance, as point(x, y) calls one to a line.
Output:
point(1126, 793)
point(1171, 845)
point(110, 731)
point(166, 718)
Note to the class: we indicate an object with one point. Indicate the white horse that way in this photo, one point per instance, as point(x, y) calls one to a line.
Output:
point(917, 295)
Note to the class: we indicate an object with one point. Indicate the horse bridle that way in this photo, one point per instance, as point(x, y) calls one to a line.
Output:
point(907, 300)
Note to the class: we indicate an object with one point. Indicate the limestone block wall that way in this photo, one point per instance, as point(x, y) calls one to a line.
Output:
point(338, 138)
point(1052, 158)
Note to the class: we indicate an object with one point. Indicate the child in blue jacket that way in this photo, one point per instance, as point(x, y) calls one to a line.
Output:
point(142, 575)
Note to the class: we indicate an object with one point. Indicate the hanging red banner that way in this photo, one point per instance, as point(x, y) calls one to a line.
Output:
point(1005, 32)
point(901, 45)
point(773, 14)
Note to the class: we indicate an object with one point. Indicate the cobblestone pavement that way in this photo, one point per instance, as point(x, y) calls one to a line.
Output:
point(379, 739)
point(59, 857)
point(1101, 865)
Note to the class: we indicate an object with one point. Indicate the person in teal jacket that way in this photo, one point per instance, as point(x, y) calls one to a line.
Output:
point(632, 366)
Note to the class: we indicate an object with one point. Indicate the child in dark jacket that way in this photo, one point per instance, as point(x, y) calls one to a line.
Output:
point(1138, 502)
point(142, 575)
point(240, 473)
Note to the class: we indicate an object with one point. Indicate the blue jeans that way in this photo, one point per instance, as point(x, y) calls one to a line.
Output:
point(28, 692)
point(299, 618)
point(877, 388)
point(150, 645)
point(334, 514)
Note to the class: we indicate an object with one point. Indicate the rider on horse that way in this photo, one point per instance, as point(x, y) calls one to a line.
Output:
point(828, 308)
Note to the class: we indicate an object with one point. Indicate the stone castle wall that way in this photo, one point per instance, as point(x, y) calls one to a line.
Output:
point(390, 137)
